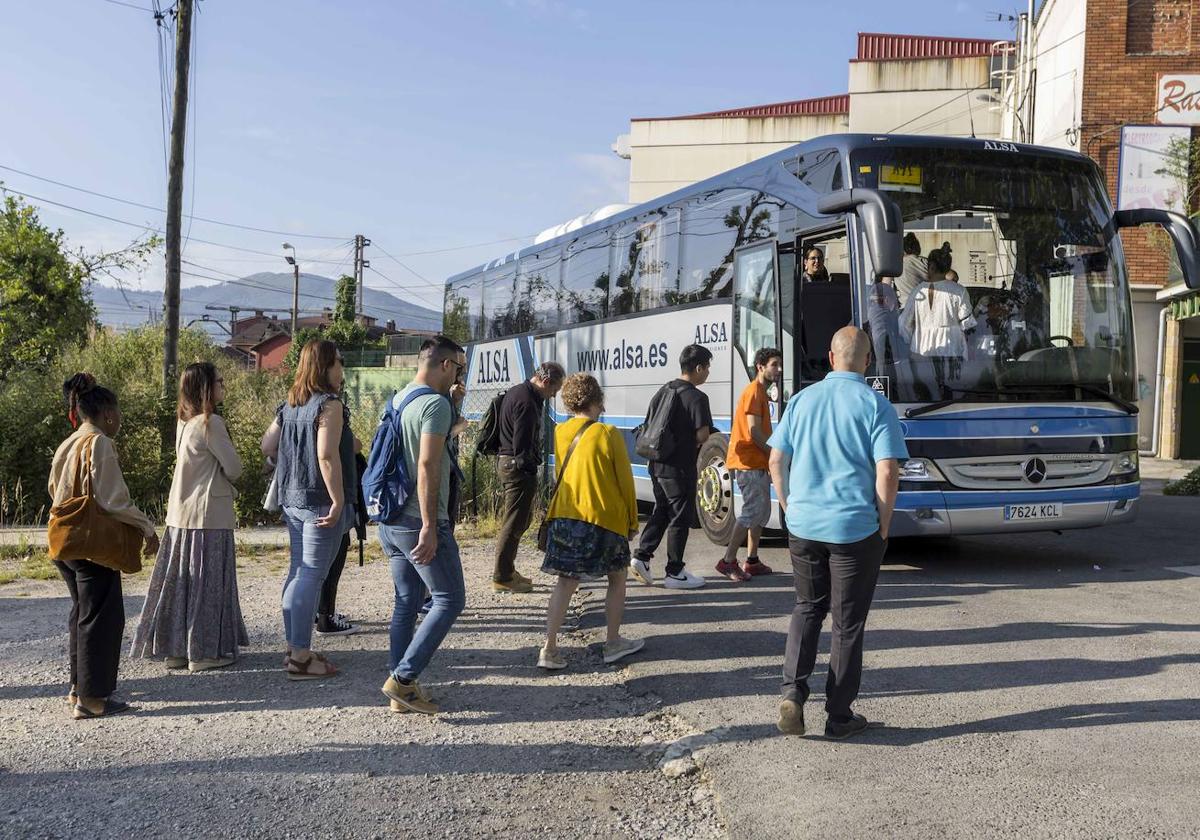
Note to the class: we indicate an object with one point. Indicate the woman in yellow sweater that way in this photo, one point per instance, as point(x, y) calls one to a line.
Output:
point(592, 518)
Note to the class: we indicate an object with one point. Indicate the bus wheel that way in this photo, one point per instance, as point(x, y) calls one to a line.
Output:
point(714, 493)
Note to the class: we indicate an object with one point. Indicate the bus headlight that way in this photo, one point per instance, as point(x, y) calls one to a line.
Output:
point(920, 469)
point(1126, 463)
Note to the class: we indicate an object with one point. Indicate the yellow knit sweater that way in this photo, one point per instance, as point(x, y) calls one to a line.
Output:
point(598, 485)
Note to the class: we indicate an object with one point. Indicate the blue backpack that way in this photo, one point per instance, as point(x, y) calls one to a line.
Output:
point(386, 484)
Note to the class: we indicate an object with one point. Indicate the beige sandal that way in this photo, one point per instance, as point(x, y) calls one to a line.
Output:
point(297, 670)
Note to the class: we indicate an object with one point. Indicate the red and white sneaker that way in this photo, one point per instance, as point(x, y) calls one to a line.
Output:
point(756, 569)
point(732, 571)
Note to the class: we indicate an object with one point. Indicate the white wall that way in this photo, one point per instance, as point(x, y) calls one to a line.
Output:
point(1058, 107)
point(890, 95)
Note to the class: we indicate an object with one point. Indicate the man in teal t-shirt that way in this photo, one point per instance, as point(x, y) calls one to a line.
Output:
point(834, 460)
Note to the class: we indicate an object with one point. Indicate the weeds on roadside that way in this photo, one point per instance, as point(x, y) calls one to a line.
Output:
point(25, 561)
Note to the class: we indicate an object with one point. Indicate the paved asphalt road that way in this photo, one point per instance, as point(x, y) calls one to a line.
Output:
point(1034, 685)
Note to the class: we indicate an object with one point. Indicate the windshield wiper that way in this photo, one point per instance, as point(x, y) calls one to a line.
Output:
point(1094, 390)
point(934, 406)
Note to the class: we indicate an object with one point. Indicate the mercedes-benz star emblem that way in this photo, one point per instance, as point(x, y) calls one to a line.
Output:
point(1035, 470)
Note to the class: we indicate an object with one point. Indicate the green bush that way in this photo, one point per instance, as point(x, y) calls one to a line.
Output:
point(1189, 485)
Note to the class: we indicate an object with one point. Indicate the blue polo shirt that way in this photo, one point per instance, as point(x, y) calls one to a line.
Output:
point(835, 431)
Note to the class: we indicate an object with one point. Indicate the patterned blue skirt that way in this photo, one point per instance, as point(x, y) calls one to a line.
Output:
point(582, 550)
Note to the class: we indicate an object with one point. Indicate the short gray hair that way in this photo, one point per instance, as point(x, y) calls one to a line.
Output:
point(550, 372)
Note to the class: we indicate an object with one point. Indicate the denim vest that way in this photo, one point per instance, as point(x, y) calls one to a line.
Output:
point(297, 471)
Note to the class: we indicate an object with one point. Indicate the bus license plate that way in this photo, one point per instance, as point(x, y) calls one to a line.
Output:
point(1021, 513)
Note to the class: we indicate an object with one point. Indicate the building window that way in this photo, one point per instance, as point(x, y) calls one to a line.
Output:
point(1158, 27)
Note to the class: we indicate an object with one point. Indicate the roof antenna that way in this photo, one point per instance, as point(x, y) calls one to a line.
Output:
point(971, 115)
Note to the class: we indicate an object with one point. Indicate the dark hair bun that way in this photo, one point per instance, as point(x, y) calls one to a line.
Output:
point(79, 384)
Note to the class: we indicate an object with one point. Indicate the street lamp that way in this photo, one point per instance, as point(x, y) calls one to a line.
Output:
point(291, 260)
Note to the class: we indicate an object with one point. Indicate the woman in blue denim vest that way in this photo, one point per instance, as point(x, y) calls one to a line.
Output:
point(313, 448)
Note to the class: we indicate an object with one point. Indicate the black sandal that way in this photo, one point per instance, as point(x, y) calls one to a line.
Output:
point(111, 707)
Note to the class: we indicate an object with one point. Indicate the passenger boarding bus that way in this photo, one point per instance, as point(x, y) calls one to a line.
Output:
point(1030, 425)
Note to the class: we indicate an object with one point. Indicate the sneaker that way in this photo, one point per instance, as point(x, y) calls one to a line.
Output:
point(426, 607)
point(621, 648)
point(518, 585)
point(791, 718)
point(732, 571)
point(683, 580)
point(408, 696)
point(845, 728)
point(175, 662)
point(641, 570)
point(753, 568)
point(551, 661)
point(518, 576)
point(208, 664)
point(335, 625)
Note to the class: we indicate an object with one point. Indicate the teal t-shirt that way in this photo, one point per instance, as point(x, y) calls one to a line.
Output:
point(427, 415)
point(835, 431)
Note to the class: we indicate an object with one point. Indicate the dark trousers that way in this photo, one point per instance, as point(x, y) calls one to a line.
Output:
point(94, 626)
point(673, 515)
point(837, 579)
point(516, 513)
point(327, 605)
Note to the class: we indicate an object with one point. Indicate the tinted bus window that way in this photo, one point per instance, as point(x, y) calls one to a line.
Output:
point(647, 253)
point(500, 302)
point(537, 308)
point(586, 279)
point(464, 309)
point(714, 225)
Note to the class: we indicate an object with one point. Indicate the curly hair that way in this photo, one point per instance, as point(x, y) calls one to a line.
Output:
point(581, 391)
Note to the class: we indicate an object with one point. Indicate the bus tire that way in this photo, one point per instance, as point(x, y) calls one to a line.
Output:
point(714, 490)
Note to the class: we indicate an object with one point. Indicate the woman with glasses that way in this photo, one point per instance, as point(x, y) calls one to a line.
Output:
point(192, 617)
point(313, 448)
point(814, 266)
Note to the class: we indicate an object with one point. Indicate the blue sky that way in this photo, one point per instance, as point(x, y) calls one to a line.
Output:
point(425, 126)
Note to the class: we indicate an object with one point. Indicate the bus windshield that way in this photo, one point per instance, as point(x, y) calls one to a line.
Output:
point(1017, 290)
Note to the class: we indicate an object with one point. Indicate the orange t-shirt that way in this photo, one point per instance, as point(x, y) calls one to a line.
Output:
point(744, 453)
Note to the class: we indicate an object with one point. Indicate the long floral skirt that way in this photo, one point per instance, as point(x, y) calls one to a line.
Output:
point(582, 550)
point(192, 608)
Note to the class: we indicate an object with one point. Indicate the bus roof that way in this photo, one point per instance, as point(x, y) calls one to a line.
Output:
point(764, 172)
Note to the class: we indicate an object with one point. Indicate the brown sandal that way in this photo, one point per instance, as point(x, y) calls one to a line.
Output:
point(297, 670)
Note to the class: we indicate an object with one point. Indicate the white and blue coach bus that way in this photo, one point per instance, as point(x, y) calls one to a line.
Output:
point(1033, 429)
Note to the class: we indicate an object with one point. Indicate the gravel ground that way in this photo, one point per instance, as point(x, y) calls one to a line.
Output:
point(242, 752)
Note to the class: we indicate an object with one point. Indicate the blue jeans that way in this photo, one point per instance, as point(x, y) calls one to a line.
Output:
point(312, 553)
point(411, 648)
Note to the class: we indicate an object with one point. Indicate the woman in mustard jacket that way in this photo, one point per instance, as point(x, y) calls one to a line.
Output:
point(592, 518)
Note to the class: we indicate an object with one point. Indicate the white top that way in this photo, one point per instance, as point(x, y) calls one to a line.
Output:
point(934, 321)
point(206, 465)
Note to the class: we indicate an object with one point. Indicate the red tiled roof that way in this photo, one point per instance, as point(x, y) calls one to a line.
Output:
point(878, 46)
point(839, 104)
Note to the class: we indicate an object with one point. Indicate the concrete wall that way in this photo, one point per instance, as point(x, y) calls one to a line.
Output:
point(1058, 86)
point(666, 155)
point(891, 95)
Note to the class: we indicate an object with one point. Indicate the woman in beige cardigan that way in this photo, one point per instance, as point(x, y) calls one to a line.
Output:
point(97, 617)
point(192, 616)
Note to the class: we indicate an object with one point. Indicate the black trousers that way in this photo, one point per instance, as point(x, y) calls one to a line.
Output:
point(836, 579)
point(520, 492)
point(327, 605)
point(673, 515)
point(94, 626)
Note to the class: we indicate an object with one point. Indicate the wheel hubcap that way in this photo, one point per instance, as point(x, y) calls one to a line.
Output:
point(715, 491)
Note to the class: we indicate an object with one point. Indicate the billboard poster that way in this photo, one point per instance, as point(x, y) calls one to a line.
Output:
point(1143, 182)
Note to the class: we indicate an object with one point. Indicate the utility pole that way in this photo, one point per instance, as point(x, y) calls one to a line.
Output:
point(183, 51)
point(291, 260)
point(360, 242)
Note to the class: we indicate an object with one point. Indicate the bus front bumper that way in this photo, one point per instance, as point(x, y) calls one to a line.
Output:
point(958, 513)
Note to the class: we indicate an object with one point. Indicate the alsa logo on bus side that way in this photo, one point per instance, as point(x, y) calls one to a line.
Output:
point(492, 366)
point(1000, 147)
point(711, 333)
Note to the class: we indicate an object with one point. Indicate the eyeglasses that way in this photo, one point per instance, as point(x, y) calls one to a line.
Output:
point(816, 258)
point(458, 368)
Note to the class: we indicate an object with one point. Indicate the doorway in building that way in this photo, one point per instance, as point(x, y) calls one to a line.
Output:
point(1189, 437)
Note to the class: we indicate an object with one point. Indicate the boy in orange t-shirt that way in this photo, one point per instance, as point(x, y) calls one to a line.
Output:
point(748, 454)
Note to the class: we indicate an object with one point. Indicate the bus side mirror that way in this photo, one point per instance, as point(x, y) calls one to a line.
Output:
point(880, 217)
point(1187, 243)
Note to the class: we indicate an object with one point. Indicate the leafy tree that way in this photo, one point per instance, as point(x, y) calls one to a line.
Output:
point(302, 337)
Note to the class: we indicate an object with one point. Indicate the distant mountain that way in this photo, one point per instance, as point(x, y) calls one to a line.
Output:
point(269, 291)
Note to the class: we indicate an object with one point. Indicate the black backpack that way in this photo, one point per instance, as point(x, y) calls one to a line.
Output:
point(489, 427)
point(653, 439)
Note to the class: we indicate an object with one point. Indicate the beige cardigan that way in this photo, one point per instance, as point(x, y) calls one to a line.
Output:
point(108, 484)
point(206, 465)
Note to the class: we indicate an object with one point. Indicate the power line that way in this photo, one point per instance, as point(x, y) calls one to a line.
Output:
point(130, 6)
point(138, 204)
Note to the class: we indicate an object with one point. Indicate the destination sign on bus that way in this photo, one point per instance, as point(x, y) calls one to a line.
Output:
point(900, 178)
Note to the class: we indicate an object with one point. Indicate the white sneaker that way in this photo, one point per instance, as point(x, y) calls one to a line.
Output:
point(683, 580)
point(621, 648)
point(641, 570)
point(551, 661)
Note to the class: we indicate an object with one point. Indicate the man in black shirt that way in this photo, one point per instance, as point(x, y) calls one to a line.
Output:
point(675, 479)
point(521, 446)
